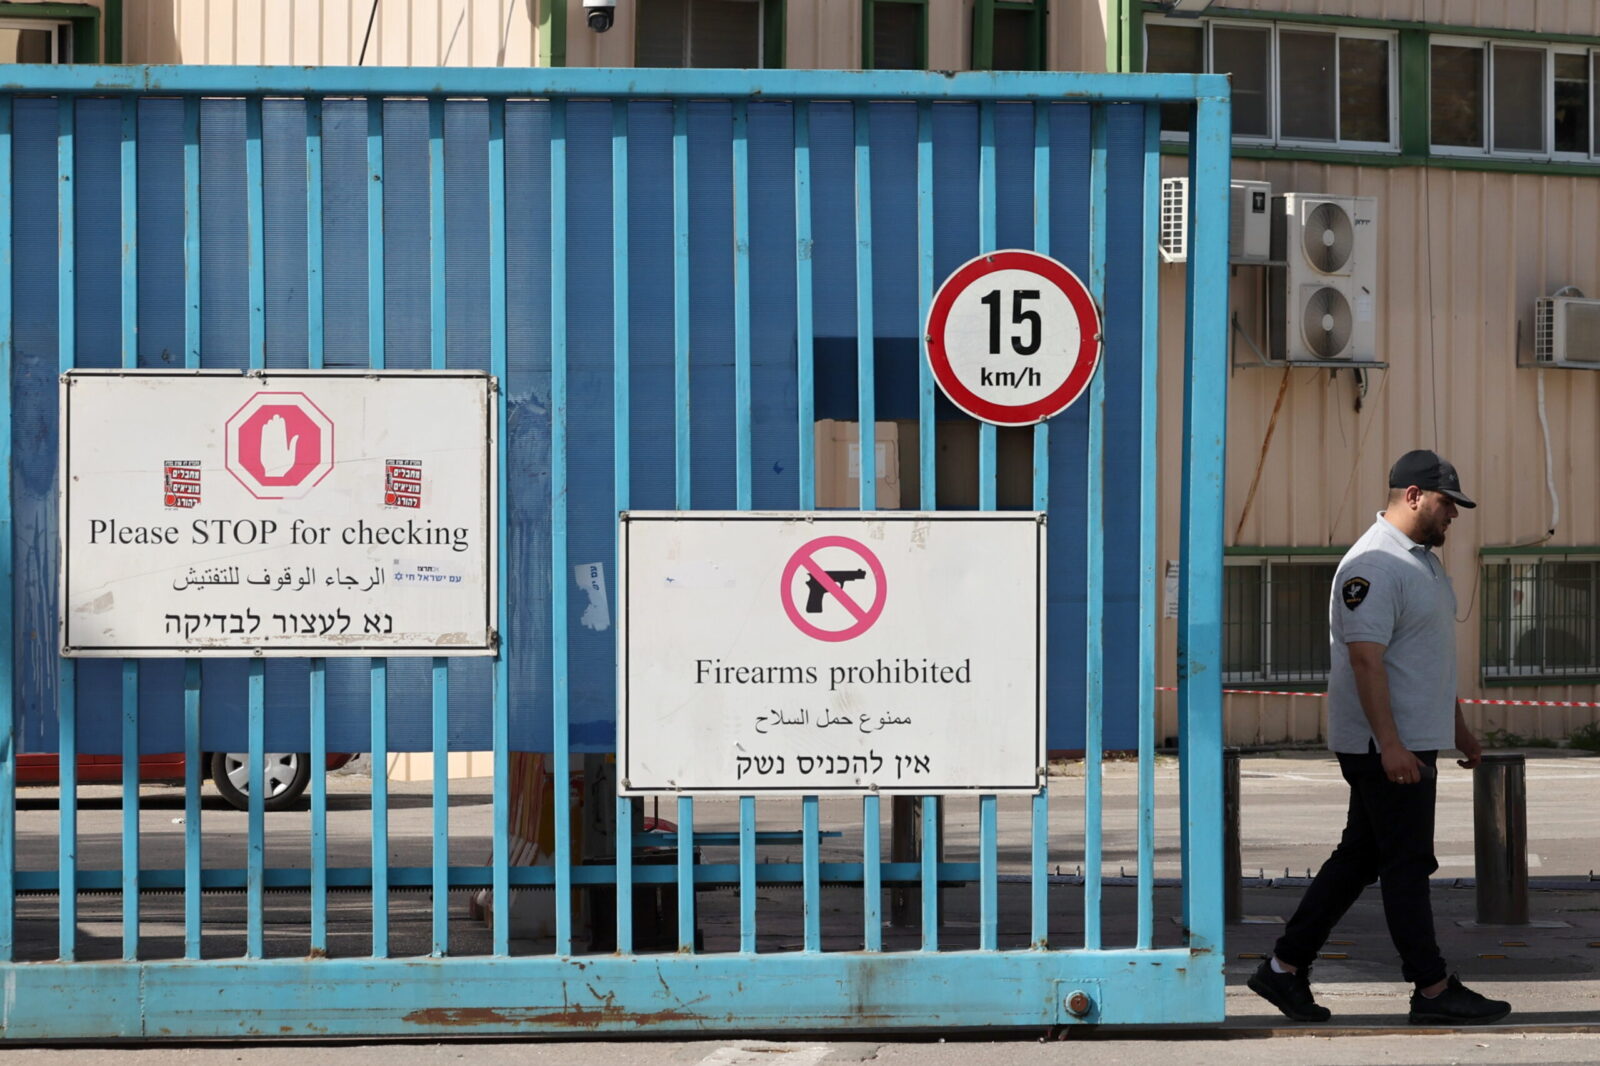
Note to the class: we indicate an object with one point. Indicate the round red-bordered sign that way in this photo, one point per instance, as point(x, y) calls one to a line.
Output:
point(1013, 337)
point(862, 616)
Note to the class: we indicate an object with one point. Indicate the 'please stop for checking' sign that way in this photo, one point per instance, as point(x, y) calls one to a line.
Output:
point(296, 513)
point(831, 652)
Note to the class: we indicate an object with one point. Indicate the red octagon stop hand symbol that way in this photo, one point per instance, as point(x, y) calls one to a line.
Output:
point(279, 445)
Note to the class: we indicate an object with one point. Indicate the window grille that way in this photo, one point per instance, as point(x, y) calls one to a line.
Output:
point(1541, 618)
point(1275, 620)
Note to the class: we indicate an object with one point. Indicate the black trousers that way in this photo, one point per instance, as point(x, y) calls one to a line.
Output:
point(1388, 837)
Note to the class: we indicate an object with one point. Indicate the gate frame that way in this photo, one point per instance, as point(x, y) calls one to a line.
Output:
point(627, 992)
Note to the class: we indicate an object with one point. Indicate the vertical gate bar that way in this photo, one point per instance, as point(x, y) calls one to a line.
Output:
point(988, 873)
point(256, 848)
point(1200, 581)
point(8, 727)
point(866, 400)
point(930, 873)
point(67, 685)
point(988, 481)
point(871, 873)
point(927, 474)
point(559, 579)
point(318, 667)
point(867, 429)
point(192, 848)
point(805, 378)
point(191, 808)
point(441, 665)
point(747, 874)
point(987, 433)
point(379, 668)
point(1149, 412)
point(680, 302)
point(743, 462)
point(741, 302)
point(500, 895)
point(811, 872)
point(927, 439)
point(1039, 884)
point(128, 209)
point(255, 845)
point(685, 874)
point(1094, 571)
point(622, 458)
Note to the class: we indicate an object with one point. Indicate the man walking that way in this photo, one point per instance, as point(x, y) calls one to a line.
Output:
point(1391, 708)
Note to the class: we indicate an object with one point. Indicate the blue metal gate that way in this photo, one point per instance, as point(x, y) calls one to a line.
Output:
point(673, 275)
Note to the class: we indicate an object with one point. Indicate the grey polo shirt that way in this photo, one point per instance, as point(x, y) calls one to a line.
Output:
point(1390, 590)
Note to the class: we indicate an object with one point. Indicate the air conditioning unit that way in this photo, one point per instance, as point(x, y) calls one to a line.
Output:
point(1322, 306)
point(1566, 332)
point(1249, 221)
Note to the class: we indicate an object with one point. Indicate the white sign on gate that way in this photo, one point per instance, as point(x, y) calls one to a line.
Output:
point(858, 652)
point(296, 513)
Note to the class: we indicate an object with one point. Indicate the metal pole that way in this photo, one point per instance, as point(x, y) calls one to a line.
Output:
point(1500, 832)
point(1232, 860)
point(905, 820)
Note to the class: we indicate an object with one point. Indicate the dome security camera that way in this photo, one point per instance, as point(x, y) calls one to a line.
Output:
point(600, 14)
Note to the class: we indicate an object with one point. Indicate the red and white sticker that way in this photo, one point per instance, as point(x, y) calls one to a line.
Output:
point(833, 588)
point(180, 483)
point(1014, 337)
point(402, 483)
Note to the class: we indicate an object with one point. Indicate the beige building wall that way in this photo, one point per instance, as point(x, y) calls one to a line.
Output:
point(1462, 257)
point(1539, 16)
point(820, 34)
point(475, 33)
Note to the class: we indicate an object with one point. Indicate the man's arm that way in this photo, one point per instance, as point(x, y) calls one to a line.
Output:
point(1372, 686)
point(1466, 743)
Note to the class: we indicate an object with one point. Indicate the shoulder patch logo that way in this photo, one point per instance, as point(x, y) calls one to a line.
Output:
point(1354, 591)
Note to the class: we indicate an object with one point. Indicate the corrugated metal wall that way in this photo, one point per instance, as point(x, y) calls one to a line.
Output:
point(487, 33)
point(1540, 16)
point(476, 33)
point(1462, 257)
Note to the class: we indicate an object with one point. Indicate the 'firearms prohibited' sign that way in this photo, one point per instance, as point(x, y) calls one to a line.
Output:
point(1013, 337)
point(806, 653)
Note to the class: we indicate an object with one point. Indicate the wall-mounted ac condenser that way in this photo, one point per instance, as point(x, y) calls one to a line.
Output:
point(1566, 332)
point(1249, 221)
point(1323, 302)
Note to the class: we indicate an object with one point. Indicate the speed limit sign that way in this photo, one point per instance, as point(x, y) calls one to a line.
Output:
point(1013, 337)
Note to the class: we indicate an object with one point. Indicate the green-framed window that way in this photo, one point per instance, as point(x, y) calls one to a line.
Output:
point(1295, 85)
point(894, 34)
point(1275, 617)
point(734, 34)
point(1541, 616)
point(49, 33)
point(1512, 99)
point(1009, 35)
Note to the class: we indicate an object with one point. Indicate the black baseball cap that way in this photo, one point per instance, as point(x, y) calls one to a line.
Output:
point(1426, 470)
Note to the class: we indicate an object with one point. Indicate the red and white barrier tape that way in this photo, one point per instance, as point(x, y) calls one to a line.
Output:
point(1323, 695)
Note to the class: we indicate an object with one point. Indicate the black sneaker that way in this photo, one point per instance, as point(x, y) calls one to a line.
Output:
point(1289, 992)
point(1456, 1005)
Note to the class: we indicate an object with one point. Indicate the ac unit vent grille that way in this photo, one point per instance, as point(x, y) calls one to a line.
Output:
point(1327, 323)
point(1583, 331)
point(1328, 237)
point(1544, 330)
point(1175, 220)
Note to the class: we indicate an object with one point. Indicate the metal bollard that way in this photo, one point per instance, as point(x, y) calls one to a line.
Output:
point(1232, 859)
point(1500, 833)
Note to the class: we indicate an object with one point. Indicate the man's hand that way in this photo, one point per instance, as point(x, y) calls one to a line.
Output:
point(1467, 744)
point(1400, 766)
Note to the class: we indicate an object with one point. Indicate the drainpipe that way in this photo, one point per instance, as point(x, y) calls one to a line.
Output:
point(113, 45)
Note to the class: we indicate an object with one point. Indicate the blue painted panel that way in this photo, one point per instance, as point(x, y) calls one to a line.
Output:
point(773, 376)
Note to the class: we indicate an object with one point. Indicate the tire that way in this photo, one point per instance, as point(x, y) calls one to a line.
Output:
point(287, 773)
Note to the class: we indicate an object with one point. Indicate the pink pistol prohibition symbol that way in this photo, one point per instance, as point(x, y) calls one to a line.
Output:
point(865, 617)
